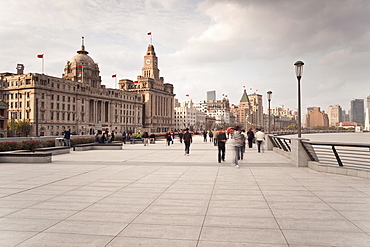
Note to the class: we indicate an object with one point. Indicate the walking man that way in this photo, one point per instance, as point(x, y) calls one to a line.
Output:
point(221, 143)
point(146, 137)
point(260, 137)
point(181, 135)
point(250, 135)
point(187, 140)
point(238, 143)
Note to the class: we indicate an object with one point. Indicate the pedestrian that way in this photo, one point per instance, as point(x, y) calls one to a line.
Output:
point(205, 136)
point(152, 138)
point(210, 134)
point(221, 143)
point(215, 133)
point(187, 141)
point(260, 137)
point(250, 136)
point(181, 135)
point(145, 136)
point(238, 143)
point(67, 137)
point(168, 138)
point(97, 138)
point(112, 136)
point(245, 138)
point(172, 136)
point(124, 135)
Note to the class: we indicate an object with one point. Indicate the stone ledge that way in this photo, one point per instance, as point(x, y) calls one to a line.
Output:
point(97, 146)
point(54, 150)
point(25, 157)
point(338, 170)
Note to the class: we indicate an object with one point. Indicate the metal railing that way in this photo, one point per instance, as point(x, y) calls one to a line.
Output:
point(280, 142)
point(350, 155)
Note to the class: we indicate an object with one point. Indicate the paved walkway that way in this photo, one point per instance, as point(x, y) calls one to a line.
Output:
point(156, 196)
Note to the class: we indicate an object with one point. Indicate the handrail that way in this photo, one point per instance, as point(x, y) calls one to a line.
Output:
point(351, 155)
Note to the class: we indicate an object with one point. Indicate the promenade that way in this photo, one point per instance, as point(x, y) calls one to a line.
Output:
point(156, 196)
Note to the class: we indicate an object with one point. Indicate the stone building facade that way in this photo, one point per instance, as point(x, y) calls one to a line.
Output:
point(158, 97)
point(249, 112)
point(217, 109)
point(77, 101)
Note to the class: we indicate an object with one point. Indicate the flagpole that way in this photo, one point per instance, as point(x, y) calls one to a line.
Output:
point(42, 69)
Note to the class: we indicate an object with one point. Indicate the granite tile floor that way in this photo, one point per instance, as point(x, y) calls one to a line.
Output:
point(156, 196)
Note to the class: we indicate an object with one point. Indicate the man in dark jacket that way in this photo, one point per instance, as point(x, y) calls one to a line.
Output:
point(250, 135)
point(145, 136)
point(187, 140)
point(221, 143)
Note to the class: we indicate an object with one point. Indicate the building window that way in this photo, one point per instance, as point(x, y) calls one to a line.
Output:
point(52, 97)
point(58, 116)
point(57, 106)
point(57, 97)
point(42, 96)
point(52, 106)
point(20, 104)
point(51, 115)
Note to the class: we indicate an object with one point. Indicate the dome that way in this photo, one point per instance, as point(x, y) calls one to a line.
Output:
point(82, 57)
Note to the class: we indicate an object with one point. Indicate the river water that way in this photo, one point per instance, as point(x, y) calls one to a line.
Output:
point(338, 137)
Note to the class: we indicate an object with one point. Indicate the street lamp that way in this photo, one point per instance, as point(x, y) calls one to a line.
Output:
point(298, 71)
point(269, 95)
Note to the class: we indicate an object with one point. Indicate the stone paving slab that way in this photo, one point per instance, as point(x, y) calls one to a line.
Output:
point(156, 196)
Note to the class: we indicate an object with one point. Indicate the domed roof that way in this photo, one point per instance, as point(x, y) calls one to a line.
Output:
point(82, 57)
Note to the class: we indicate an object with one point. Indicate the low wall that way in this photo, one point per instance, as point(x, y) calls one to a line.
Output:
point(97, 146)
point(25, 157)
point(54, 150)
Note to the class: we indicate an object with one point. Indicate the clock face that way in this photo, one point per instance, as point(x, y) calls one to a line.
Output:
point(147, 61)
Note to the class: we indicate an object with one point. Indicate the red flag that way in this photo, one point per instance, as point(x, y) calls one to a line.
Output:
point(114, 75)
point(208, 109)
point(136, 82)
point(187, 95)
point(250, 89)
point(150, 33)
point(40, 56)
point(80, 66)
point(223, 94)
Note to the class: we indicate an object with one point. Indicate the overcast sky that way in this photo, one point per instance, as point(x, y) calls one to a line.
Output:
point(202, 45)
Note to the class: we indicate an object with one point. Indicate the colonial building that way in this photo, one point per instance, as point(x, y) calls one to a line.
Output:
point(249, 112)
point(77, 101)
point(217, 109)
point(3, 119)
point(158, 97)
point(187, 116)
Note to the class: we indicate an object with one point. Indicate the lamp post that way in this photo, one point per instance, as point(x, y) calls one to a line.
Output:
point(298, 71)
point(269, 95)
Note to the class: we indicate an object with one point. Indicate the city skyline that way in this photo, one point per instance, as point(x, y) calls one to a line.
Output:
point(203, 45)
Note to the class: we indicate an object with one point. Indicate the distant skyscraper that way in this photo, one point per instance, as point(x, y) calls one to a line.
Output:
point(211, 95)
point(335, 115)
point(357, 111)
point(367, 115)
point(316, 118)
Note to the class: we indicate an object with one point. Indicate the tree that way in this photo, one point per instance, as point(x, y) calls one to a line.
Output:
point(19, 128)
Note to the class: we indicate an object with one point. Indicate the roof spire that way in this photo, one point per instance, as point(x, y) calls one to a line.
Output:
point(82, 51)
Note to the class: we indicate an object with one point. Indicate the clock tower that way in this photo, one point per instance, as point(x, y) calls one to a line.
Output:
point(158, 97)
point(150, 69)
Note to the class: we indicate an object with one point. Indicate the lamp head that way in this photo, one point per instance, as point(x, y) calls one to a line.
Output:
point(299, 68)
point(269, 95)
